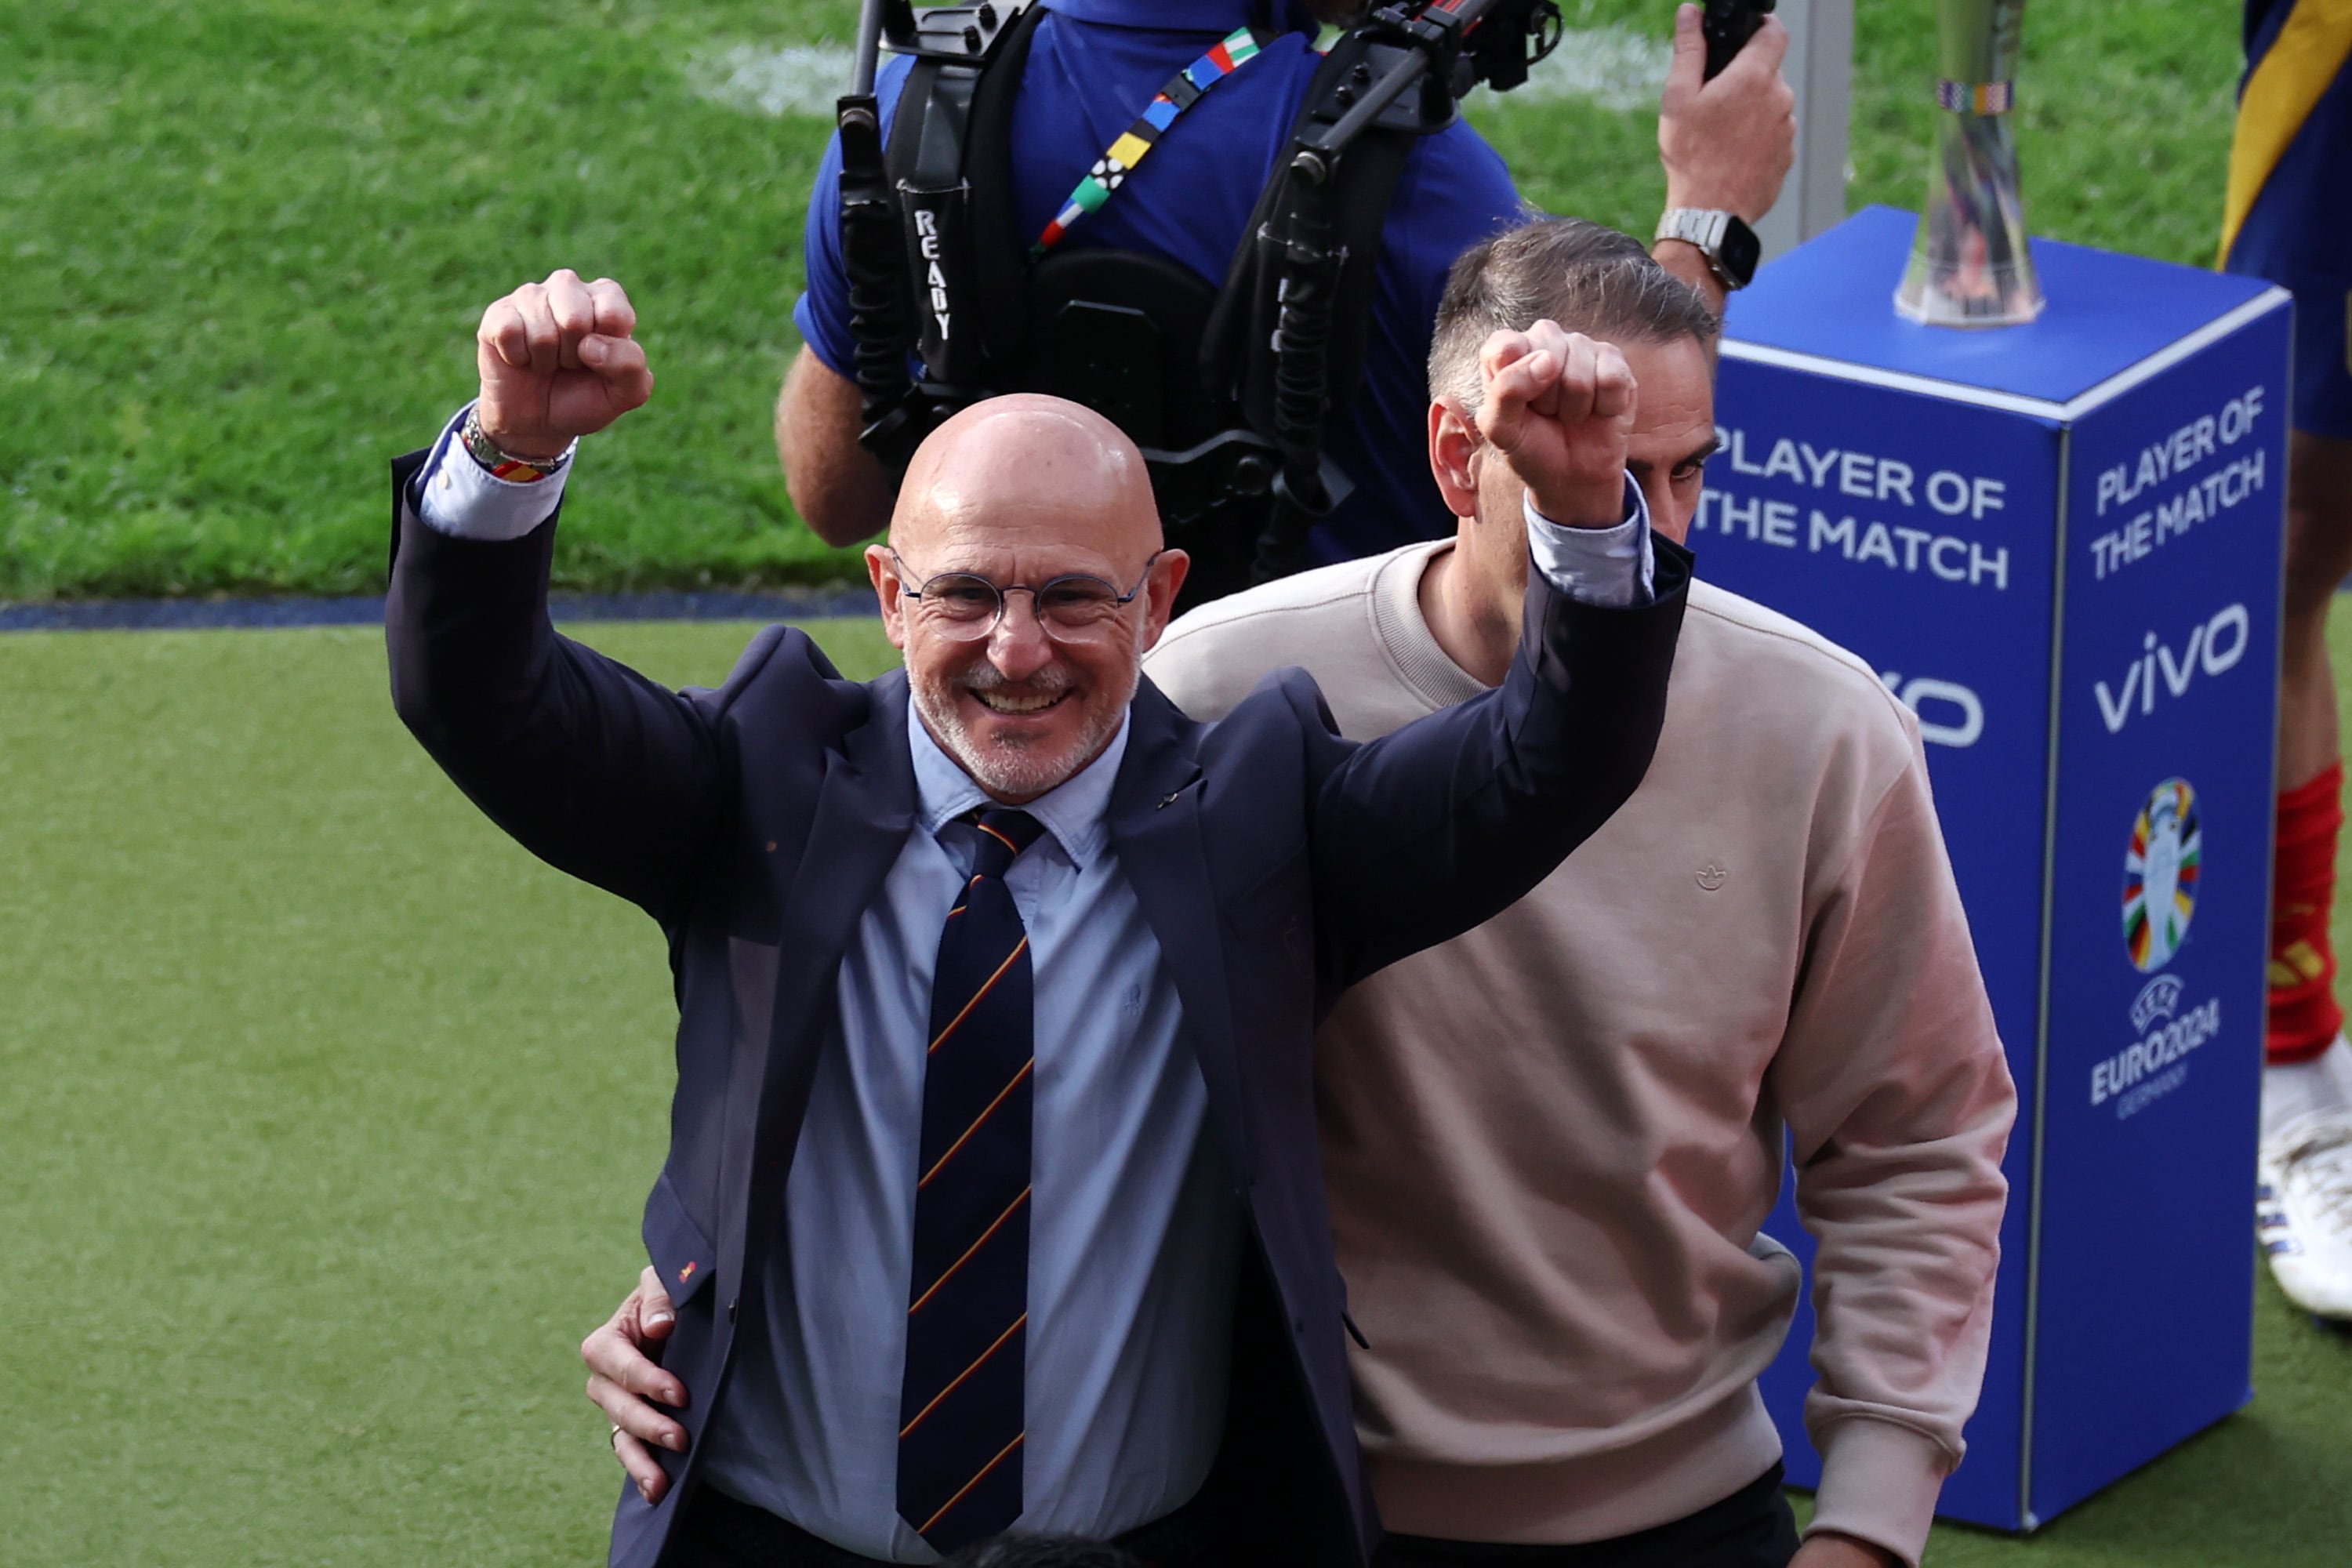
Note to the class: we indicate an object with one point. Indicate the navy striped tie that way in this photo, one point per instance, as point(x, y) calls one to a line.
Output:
point(960, 1402)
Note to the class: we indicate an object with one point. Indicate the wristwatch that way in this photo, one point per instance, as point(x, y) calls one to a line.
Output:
point(1730, 246)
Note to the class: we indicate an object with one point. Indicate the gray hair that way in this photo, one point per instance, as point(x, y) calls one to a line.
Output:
point(1589, 279)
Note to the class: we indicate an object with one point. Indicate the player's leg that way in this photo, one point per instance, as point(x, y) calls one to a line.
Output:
point(2318, 559)
point(2304, 1215)
point(2283, 221)
point(2304, 1013)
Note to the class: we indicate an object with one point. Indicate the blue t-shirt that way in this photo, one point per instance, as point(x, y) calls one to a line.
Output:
point(1093, 65)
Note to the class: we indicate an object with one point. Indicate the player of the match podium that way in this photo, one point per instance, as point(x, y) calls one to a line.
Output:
point(2060, 544)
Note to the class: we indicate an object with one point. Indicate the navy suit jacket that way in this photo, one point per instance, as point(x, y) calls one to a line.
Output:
point(1276, 862)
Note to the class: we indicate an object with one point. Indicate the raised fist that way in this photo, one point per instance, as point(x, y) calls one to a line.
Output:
point(557, 361)
point(1559, 407)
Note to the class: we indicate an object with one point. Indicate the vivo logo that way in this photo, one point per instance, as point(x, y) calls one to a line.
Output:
point(1949, 714)
point(2215, 647)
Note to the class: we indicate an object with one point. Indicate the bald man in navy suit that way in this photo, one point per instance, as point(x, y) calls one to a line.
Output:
point(993, 1200)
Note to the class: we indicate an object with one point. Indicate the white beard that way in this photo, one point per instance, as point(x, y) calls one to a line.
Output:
point(1012, 770)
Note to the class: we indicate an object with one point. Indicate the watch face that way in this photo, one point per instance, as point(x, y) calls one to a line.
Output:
point(1739, 250)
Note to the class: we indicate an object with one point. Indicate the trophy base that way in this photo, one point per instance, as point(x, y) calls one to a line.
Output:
point(2007, 296)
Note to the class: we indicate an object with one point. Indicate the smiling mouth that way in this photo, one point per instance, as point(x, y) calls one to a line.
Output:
point(1005, 702)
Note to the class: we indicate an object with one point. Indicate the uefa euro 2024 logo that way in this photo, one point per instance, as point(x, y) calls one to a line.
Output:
point(2160, 875)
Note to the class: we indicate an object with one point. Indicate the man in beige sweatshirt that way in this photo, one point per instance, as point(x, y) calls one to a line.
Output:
point(1551, 1142)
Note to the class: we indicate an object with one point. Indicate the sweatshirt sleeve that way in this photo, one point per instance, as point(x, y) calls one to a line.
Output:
point(1899, 1103)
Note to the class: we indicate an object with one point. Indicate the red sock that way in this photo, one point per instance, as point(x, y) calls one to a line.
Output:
point(2304, 1016)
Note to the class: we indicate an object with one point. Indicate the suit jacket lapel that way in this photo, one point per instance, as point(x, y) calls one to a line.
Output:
point(864, 809)
point(1156, 829)
point(865, 805)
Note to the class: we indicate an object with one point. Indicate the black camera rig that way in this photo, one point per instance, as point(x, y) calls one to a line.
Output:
point(1227, 391)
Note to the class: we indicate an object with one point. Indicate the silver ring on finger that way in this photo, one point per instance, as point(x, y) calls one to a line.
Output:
point(613, 1437)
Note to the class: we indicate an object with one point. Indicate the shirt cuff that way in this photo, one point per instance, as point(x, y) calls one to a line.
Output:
point(466, 500)
point(1608, 566)
point(1879, 1483)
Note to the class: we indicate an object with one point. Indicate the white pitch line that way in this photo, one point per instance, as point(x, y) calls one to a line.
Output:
point(1613, 67)
point(798, 79)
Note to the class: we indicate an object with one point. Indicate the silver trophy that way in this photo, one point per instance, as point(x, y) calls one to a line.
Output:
point(1969, 264)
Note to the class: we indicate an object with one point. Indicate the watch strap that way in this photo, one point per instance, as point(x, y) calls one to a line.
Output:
point(1704, 228)
point(1701, 226)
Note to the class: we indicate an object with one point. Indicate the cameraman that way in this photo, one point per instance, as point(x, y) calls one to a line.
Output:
point(1093, 64)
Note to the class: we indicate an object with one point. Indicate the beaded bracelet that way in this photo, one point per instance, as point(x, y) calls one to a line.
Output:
point(502, 464)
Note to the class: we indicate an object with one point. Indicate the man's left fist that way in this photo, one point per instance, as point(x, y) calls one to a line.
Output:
point(557, 361)
point(1559, 407)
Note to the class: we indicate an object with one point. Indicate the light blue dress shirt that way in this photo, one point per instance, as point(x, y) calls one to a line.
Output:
point(1134, 1233)
point(1135, 1230)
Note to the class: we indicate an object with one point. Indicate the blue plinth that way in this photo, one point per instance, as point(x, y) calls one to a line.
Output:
point(2061, 545)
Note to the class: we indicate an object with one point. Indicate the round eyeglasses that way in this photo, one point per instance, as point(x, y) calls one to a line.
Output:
point(964, 606)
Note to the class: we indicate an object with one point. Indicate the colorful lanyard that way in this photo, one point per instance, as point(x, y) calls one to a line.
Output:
point(1183, 91)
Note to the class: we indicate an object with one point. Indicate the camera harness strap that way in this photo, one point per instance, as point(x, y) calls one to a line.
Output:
point(1285, 341)
point(1183, 91)
point(950, 135)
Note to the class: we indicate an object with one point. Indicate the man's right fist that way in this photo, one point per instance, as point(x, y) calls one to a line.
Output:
point(557, 361)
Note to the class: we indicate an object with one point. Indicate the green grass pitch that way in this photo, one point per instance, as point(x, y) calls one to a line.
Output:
point(307, 1197)
point(329, 1113)
point(246, 241)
